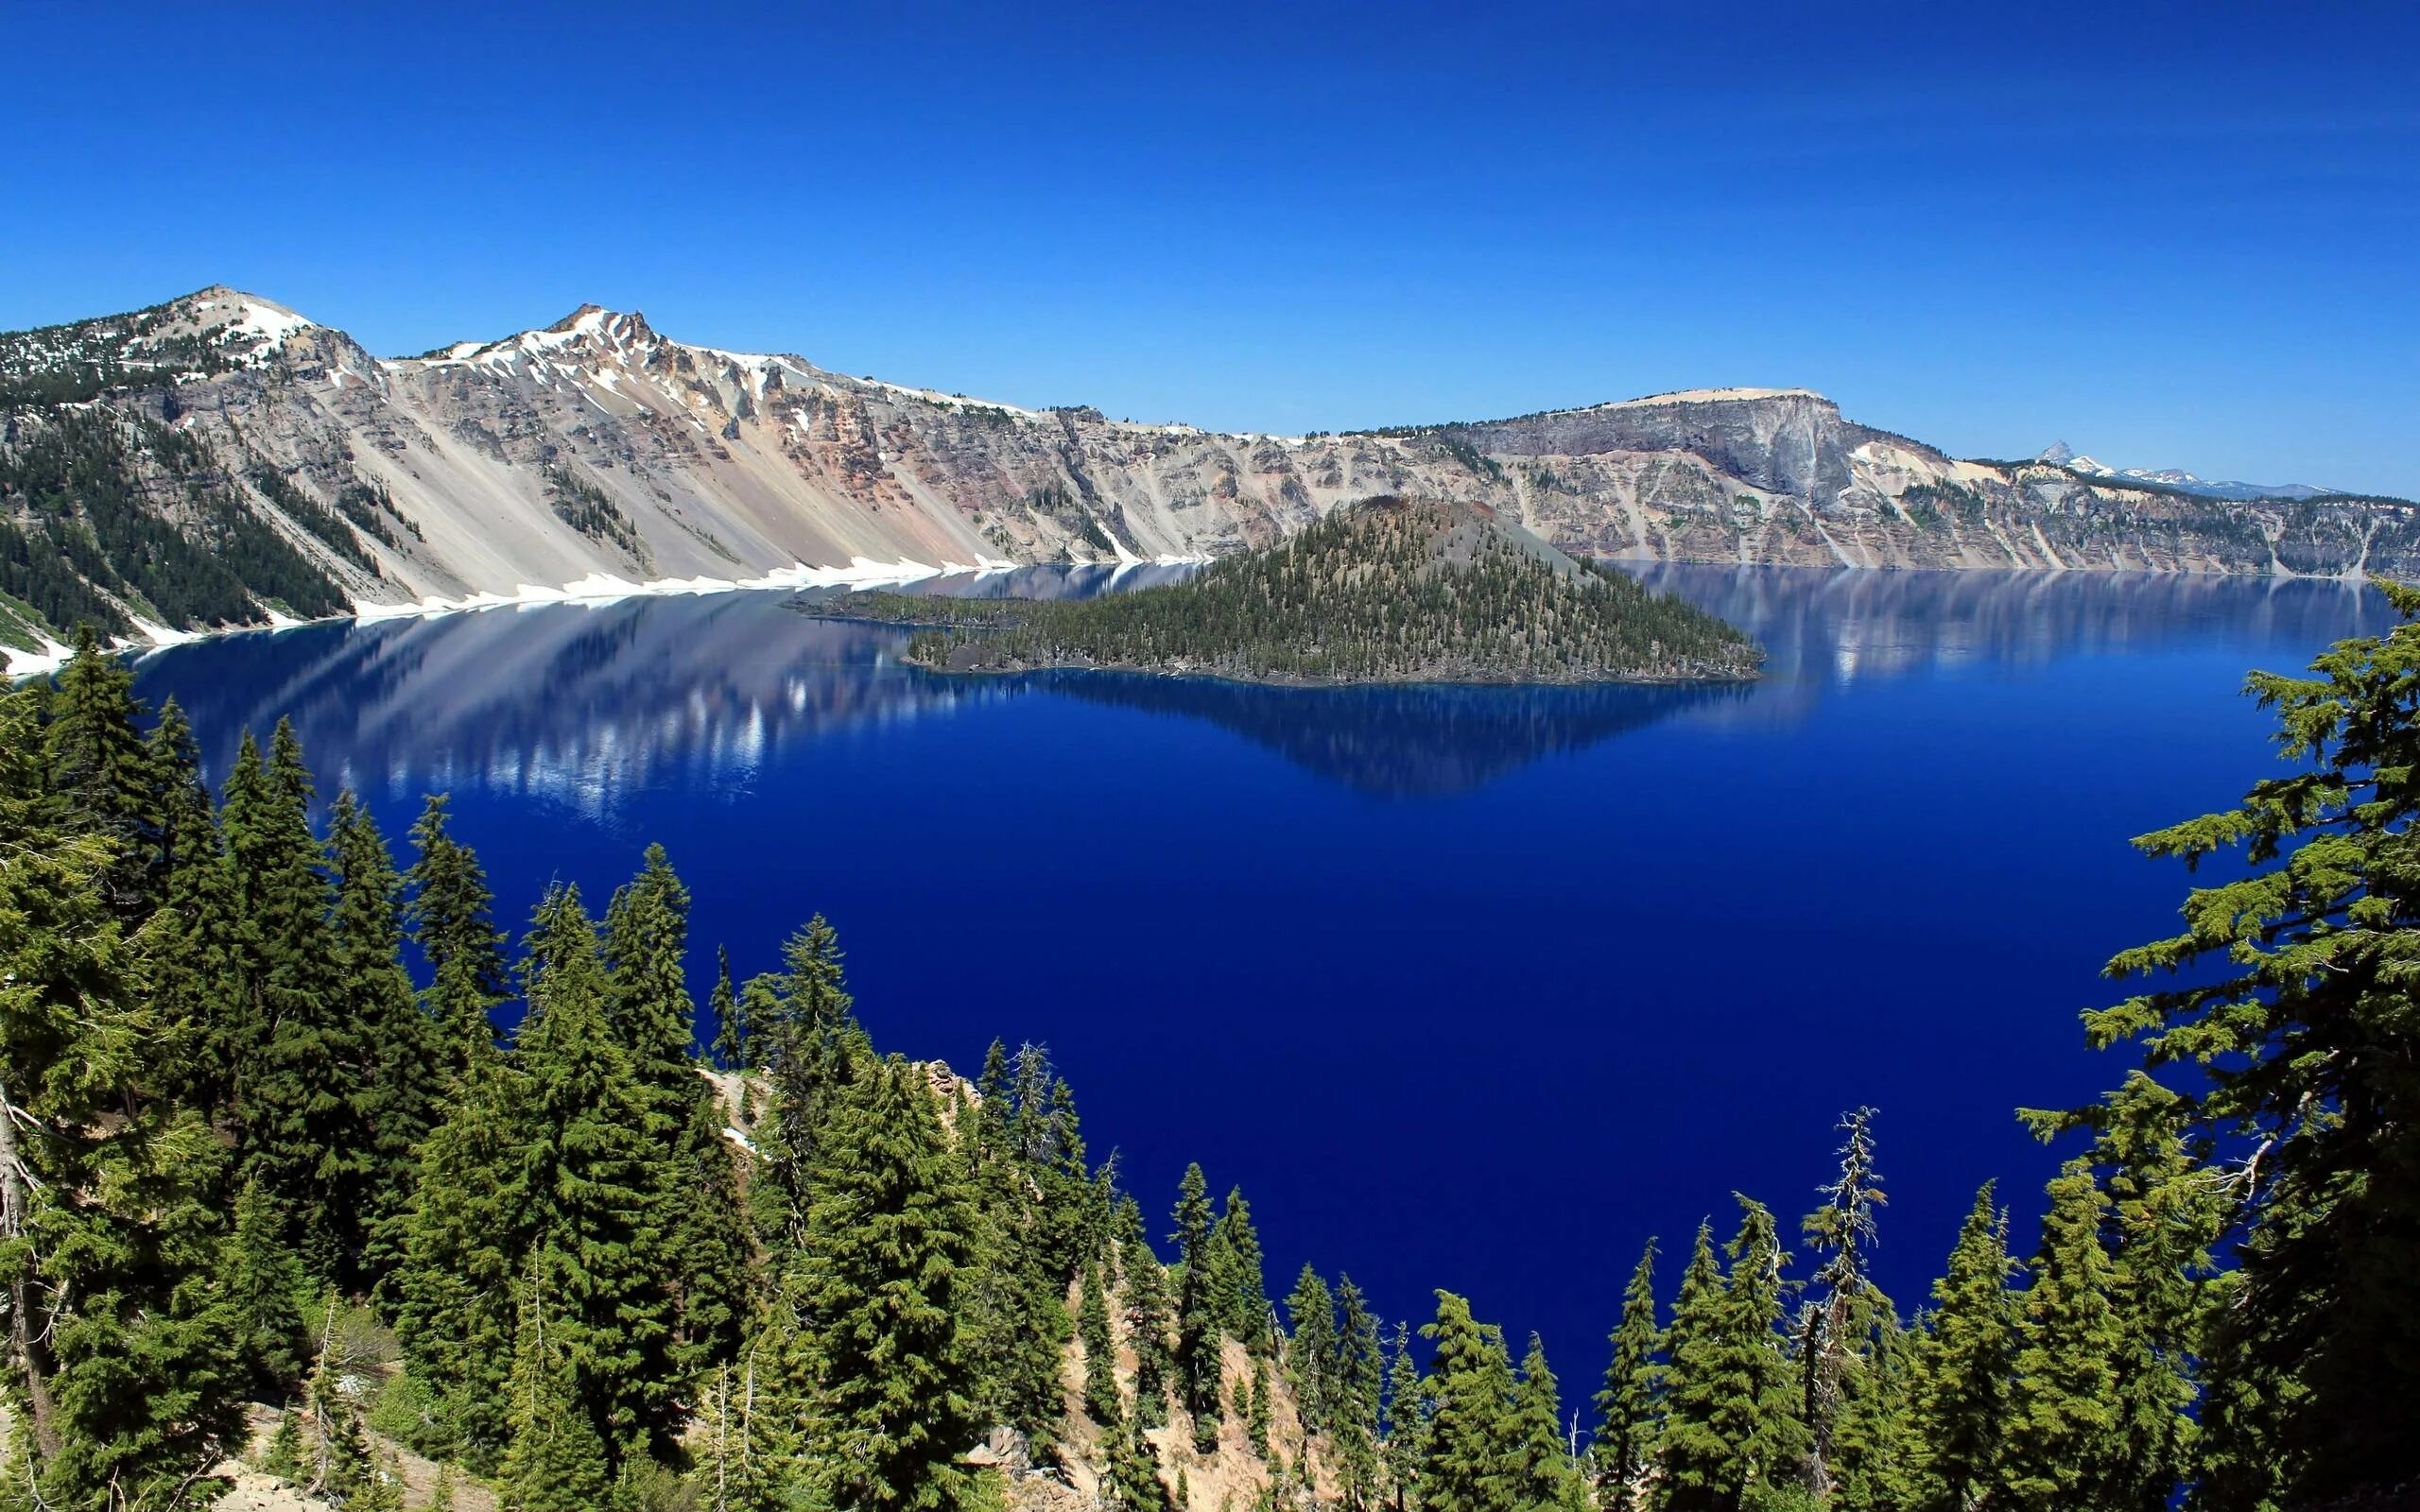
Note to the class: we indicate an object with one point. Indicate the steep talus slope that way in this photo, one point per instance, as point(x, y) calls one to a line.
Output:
point(221, 458)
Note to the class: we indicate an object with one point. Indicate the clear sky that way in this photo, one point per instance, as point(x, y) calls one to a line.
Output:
point(2171, 236)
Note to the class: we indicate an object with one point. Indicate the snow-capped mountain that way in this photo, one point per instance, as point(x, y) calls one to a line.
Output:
point(222, 459)
point(2060, 454)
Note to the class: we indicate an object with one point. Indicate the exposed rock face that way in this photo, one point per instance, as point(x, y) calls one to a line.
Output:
point(598, 446)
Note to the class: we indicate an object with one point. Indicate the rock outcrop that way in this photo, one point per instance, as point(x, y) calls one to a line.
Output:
point(599, 449)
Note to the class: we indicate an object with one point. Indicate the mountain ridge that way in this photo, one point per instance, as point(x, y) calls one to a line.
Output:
point(221, 460)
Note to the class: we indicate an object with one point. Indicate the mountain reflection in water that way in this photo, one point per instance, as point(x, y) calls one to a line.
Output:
point(578, 704)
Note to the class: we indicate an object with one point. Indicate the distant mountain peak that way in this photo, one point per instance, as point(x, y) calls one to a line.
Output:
point(2060, 454)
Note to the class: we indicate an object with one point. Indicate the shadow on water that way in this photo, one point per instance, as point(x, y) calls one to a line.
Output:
point(579, 703)
point(1396, 741)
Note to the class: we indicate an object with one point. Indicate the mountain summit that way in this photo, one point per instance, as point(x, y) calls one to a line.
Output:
point(2060, 454)
point(222, 459)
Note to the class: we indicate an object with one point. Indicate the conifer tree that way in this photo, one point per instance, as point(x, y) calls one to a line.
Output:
point(646, 943)
point(756, 1413)
point(1133, 1483)
point(1873, 1452)
point(555, 1460)
point(1357, 1376)
point(646, 940)
point(470, 1226)
point(1730, 1433)
point(2289, 987)
point(1628, 1407)
point(807, 1038)
point(1544, 1478)
point(731, 1022)
point(1961, 1364)
point(1100, 1353)
point(2063, 1426)
point(2163, 1216)
point(1016, 1292)
point(264, 1285)
point(102, 772)
point(1311, 1353)
point(1258, 1413)
point(193, 946)
point(1837, 1325)
point(1200, 1308)
point(1406, 1421)
point(451, 915)
point(1148, 1317)
point(122, 1369)
point(1470, 1446)
point(712, 1251)
point(1244, 1305)
point(306, 1094)
point(404, 1079)
point(890, 1235)
point(598, 1253)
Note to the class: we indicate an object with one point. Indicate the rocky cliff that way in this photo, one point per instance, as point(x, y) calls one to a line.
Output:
point(222, 459)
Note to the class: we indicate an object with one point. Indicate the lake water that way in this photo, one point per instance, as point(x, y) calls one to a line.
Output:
point(1471, 989)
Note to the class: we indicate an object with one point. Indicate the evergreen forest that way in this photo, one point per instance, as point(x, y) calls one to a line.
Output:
point(1385, 590)
point(274, 1189)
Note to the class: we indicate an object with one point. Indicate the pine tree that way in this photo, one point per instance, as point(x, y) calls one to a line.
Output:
point(470, 1228)
point(1406, 1421)
point(1311, 1353)
point(1629, 1406)
point(2063, 1424)
point(1836, 1327)
point(1133, 1482)
point(1257, 1414)
point(555, 1460)
point(264, 1285)
point(646, 942)
point(1148, 1317)
point(121, 1371)
point(1959, 1390)
point(1243, 1306)
point(731, 1021)
point(1100, 1353)
point(2289, 987)
point(1731, 1429)
point(102, 773)
point(888, 1238)
point(306, 1094)
point(713, 1253)
point(452, 919)
point(599, 1252)
point(755, 1415)
point(399, 1103)
point(1357, 1376)
point(1015, 1309)
point(808, 1036)
point(1470, 1446)
point(2163, 1216)
point(194, 946)
point(1544, 1478)
point(1873, 1448)
point(1199, 1308)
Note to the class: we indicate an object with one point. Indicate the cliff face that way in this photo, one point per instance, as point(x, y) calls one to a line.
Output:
point(597, 446)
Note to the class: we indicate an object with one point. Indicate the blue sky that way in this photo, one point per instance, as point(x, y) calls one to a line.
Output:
point(2173, 236)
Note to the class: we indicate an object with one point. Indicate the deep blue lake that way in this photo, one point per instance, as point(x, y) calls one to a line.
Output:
point(1474, 989)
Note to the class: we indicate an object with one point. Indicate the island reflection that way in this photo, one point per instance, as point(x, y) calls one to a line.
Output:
point(576, 704)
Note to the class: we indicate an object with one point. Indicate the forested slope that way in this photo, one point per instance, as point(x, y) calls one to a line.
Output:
point(263, 1142)
point(1382, 590)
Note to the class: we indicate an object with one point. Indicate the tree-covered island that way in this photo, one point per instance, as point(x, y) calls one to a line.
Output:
point(1386, 591)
